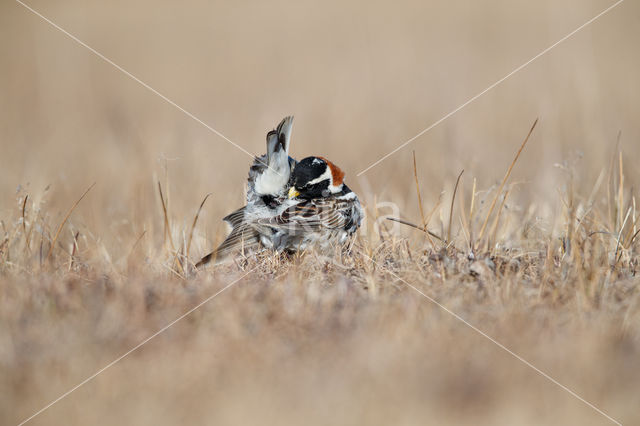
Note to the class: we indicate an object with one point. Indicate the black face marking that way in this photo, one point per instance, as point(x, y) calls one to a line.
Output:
point(317, 190)
point(269, 201)
point(307, 170)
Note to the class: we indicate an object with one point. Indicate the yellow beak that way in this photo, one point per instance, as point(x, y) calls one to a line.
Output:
point(293, 193)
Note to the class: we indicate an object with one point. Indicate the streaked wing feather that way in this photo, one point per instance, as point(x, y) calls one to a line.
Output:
point(242, 237)
point(235, 219)
point(309, 216)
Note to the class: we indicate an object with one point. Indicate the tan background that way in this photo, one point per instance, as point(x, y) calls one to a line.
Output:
point(361, 77)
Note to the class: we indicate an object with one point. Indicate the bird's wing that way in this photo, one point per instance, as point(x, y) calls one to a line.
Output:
point(234, 219)
point(242, 237)
point(309, 216)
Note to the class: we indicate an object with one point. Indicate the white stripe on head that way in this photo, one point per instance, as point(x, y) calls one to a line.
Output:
point(328, 177)
point(324, 176)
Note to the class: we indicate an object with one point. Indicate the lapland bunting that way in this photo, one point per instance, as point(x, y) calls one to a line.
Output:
point(291, 205)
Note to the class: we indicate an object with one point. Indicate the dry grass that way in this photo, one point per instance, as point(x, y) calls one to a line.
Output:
point(540, 253)
point(315, 337)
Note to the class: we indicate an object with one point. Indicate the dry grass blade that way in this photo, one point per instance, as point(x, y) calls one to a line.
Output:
point(618, 244)
point(426, 231)
point(422, 216)
point(504, 181)
point(55, 238)
point(24, 221)
point(167, 229)
point(74, 249)
point(610, 177)
point(626, 242)
point(136, 243)
point(620, 190)
point(471, 212)
point(415, 175)
point(494, 227)
point(633, 238)
point(166, 218)
point(193, 225)
point(453, 200)
point(465, 222)
point(431, 212)
point(635, 217)
point(473, 199)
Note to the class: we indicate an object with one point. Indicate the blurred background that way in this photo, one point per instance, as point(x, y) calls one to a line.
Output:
point(360, 77)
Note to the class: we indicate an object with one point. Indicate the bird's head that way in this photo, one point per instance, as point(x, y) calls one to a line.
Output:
point(315, 177)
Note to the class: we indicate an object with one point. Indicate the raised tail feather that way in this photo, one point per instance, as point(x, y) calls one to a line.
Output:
point(269, 173)
point(278, 142)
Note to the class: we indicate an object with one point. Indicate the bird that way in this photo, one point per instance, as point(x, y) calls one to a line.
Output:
point(314, 208)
